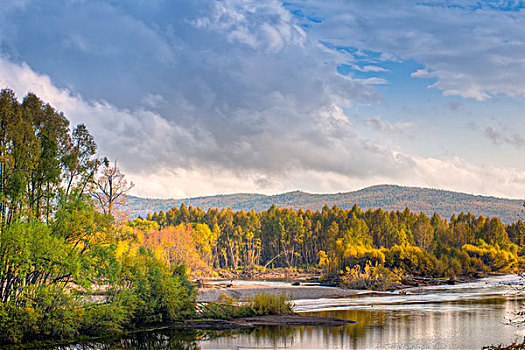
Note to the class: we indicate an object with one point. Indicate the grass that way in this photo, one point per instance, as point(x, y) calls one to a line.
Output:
point(258, 305)
point(270, 304)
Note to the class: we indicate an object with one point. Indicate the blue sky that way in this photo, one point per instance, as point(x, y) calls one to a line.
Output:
point(204, 97)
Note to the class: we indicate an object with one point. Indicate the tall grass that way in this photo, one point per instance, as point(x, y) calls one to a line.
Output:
point(258, 305)
point(270, 304)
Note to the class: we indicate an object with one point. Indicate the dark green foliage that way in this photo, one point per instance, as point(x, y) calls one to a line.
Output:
point(47, 313)
point(45, 269)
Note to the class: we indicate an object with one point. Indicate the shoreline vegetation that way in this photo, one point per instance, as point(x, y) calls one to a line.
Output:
point(73, 266)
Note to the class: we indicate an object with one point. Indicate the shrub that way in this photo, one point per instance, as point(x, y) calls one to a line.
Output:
point(492, 256)
point(50, 313)
point(159, 293)
point(413, 260)
point(226, 308)
point(375, 277)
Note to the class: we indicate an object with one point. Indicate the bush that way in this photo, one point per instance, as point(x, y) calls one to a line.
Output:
point(158, 293)
point(147, 292)
point(110, 317)
point(375, 277)
point(492, 256)
point(413, 260)
point(226, 308)
point(50, 313)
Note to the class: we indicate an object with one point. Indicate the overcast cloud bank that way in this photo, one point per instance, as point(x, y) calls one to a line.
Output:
point(198, 98)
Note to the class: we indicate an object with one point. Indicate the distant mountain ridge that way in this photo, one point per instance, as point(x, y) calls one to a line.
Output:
point(387, 197)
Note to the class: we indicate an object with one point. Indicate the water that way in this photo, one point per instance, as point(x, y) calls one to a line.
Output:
point(462, 316)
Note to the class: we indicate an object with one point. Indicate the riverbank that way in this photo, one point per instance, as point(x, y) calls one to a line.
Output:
point(242, 292)
point(245, 289)
point(291, 319)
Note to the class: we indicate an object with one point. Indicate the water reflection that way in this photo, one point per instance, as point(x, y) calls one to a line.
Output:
point(186, 339)
point(463, 325)
point(458, 325)
point(464, 317)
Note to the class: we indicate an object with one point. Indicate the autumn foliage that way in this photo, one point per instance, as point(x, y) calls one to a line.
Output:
point(335, 239)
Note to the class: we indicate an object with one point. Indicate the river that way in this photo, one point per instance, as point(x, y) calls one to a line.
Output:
point(462, 316)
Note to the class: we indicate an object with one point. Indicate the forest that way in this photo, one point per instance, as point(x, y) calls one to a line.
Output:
point(340, 242)
point(72, 264)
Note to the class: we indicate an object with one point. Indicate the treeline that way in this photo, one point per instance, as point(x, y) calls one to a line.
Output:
point(61, 272)
point(334, 239)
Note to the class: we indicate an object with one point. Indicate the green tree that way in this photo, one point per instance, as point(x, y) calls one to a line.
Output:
point(81, 162)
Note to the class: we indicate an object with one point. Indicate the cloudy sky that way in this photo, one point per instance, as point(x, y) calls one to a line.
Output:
point(204, 97)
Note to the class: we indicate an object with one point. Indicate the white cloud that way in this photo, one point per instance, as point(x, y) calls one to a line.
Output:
point(423, 73)
point(206, 97)
point(132, 137)
point(473, 49)
point(257, 24)
point(369, 68)
point(460, 175)
point(138, 138)
point(452, 174)
point(370, 81)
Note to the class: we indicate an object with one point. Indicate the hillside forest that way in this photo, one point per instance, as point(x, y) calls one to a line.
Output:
point(388, 197)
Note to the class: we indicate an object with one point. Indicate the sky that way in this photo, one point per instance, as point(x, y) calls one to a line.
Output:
point(197, 98)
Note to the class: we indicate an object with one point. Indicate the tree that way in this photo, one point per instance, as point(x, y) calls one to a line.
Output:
point(423, 232)
point(81, 163)
point(494, 232)
point(53, 143)
point(110, 188)
point(40, 160)
point(55, 245)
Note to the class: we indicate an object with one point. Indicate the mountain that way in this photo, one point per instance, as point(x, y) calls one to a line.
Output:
point(387, 197)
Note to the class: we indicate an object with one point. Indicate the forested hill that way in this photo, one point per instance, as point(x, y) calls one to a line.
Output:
point(387, 197)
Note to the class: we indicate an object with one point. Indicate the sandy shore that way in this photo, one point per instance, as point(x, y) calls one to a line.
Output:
point(239, 292)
